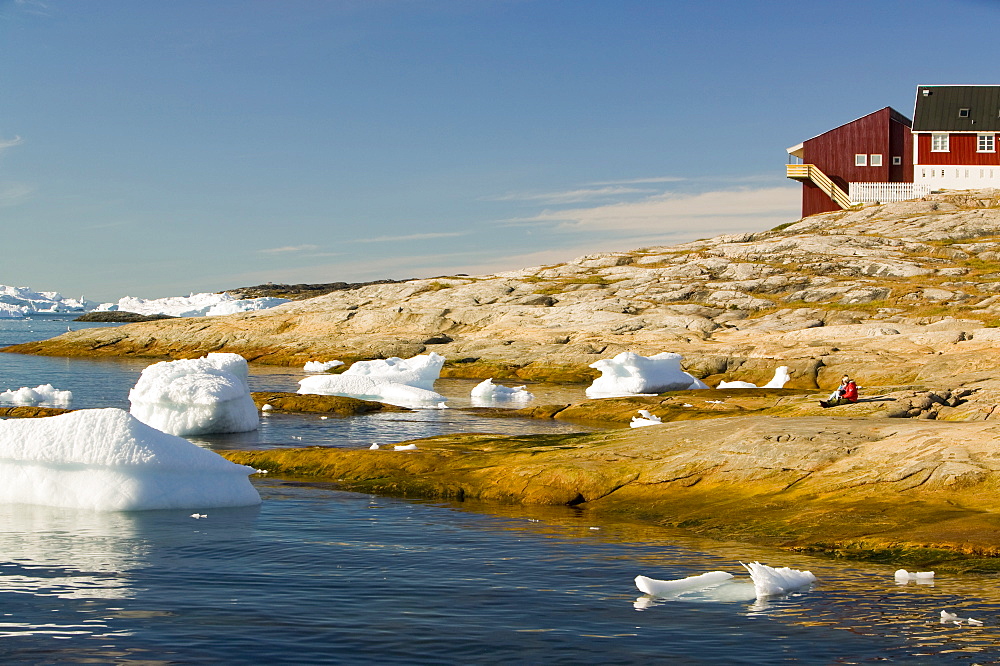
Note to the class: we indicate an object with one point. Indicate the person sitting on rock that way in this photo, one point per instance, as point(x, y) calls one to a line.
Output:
point(845, 393)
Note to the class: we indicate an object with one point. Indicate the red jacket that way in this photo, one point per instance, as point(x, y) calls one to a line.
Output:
point(851, 391)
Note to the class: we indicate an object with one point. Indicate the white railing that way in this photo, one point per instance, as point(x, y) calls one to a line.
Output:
point(886, 192)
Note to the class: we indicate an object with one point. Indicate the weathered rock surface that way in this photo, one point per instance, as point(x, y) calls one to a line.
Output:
point(894, 294)
point(30, 412)
point(838, 485)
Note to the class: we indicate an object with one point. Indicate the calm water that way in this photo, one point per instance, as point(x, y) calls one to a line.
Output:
point(316, 575)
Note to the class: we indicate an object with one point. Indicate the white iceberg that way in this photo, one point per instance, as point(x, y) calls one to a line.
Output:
point(769, 581)
point(486, 393)
point(629, 373)
point(196, 396)
point(321, 366)
point(666, 588)
point(194, 305)
point(645, 419)
point(406, 383)
point(952, 618)
point(780, 378)
point(45, 393)
point(107, 460)
point(903, 577)
point(16, 302)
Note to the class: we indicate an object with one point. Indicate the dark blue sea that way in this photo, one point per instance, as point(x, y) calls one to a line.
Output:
point(315, 575)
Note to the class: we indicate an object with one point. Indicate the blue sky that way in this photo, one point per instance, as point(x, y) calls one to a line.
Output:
point(154, 149)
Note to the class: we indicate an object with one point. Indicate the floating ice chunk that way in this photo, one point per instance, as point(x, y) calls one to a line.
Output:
point(952, 618)
point(629, 373)
point(107, 460)
point(487, 393)
point(374, 446)
point(267, 407)
point(321, 366)
point(903, 577)
point(199, 516)
point(645, 419)
point(196, 396)
point(45, 393)
point(407, 383)
point(769, 581)
point(780, 378)
point(666, 588)
point(404, 447)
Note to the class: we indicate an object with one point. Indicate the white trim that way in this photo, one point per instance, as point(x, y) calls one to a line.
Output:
point(993, 142)
point(947, 142)
point(873, 158)
point(861, 159)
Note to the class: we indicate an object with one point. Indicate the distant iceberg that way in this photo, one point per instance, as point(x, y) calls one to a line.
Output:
point(194, 305)
point(17, 302)
point(107, 460)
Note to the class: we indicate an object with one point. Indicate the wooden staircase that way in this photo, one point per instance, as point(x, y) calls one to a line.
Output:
point(812, 173)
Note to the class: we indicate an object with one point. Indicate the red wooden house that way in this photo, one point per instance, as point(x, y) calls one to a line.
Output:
point(863, 160)
point(955, 130)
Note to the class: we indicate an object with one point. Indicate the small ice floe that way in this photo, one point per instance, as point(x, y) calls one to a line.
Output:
point(199, 516)
point(667, 588)
point(404, 447)
point(629, 373)
point(374, 447)
point(687, 405)
point(645, 419)
point(595, 528)
point(780, 378)
point(36, 396)
point(260, 471)
point(404, 382)
point(487, 393)
point(952, 618)
point(903, 577)
point(266, 407)
point(769, 581)
point(323, 418)
point(321, 366)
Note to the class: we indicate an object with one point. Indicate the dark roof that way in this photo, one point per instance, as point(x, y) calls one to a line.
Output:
point(939, 109)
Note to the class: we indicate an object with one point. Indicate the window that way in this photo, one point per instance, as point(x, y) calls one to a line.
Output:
point(875, 160)
point(939, 143)
point(987, 143)
point(963, 113)
point(860, 160)
point(896, 160)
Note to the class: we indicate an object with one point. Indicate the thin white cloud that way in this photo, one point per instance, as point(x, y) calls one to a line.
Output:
point(641, 181)
point(409, 237)
point(14, 193)
point(8, 143)
point(288, 249)
point(580, 195)
point(703, 214)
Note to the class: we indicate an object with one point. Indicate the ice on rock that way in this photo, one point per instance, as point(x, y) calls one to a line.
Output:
point(196, 396)
point(666, 588)
point(107, 460)
point(404, 447)
point(194, 305)
point(321, 366)
point(487, 393)
point(645, 419)
point(396, 381)
point(769, 581)
point(629, 373)
point(780, 378)
point(45, 393)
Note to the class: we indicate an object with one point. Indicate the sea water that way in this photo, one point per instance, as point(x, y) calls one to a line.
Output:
point(317, 575)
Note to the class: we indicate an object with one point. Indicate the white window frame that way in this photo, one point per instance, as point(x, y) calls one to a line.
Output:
point(986, 142)
point(897, 160)
point(875, 160)
point(861, 159)
point(940, 142)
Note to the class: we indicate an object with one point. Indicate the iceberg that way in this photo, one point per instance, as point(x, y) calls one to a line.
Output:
point(666, 588)
point(107, 460)
point(780, 378)
point(486, 393)
point(396, 381)
point(194, 305)
point(321, 366)
point(45, 393)
point(769, 581)
point(196, 396)
point(629, 373)
point(16, 302)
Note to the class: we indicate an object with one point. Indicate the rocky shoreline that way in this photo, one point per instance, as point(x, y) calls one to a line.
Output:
point(903, 297)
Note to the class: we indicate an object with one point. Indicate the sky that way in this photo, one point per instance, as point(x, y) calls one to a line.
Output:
point(155, 149)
